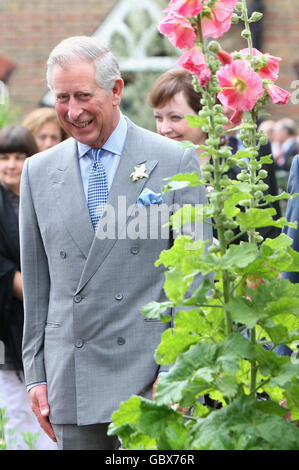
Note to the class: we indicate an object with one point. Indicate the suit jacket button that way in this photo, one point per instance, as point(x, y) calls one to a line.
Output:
point(62, 254)
point(118, 296)
point(79, 343)
point(135, 250)
point(121, 341)
point(77, 298)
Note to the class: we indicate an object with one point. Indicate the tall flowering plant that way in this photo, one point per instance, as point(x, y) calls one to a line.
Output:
point(227, 386)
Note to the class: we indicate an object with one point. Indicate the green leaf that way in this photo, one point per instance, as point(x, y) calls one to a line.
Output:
point(227, 385)
point(172, 386)
point(266, 159)
point(200, 294)
point(283, 195)
point(269, 407)
point(243, 312)
point(256, 218)
point(244, 153)
point(141, 417)
point(279, 243)
point(232, 201)
point(239, 256)
point(198, 367)
point(182, 180)
point(186, 215)
point(243, 426)
point(155, 309)
point(277, 333)
point(182, 265)
point(269, 362)
point(173, 343)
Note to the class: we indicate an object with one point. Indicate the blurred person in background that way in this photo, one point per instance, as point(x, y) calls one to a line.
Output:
point(45, 128)
point(268, 126)
point(172, 98)
point(285, 143)
point(16, 144)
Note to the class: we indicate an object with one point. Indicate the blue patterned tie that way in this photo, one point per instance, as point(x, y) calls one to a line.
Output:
point(97, 189)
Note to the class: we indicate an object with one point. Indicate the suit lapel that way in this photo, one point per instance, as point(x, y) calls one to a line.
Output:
point(67, 183)
point(121, 202)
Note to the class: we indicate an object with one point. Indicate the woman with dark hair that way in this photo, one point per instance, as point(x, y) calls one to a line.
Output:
point(172, 98)
point(16, 144)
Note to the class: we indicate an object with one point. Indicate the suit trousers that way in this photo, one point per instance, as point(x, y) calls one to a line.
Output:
point(88, 437)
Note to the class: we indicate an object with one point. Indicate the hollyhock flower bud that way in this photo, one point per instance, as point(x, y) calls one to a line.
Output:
point(194, 61)
point(278, 95)
point(186, 7)
point(217, 19)
point(242, 87)
point(253, 281)
point(178, 30)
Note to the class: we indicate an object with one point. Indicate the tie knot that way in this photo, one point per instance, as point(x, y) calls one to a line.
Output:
point(96, 154)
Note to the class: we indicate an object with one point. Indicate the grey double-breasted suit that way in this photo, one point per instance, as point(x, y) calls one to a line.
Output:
point(84, 333)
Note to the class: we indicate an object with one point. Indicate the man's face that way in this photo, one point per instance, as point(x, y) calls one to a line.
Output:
point(85, 111)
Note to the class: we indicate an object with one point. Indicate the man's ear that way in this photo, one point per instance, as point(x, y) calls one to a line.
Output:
point(117, 91)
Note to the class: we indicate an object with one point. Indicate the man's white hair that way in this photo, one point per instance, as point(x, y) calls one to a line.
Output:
point(86, 49)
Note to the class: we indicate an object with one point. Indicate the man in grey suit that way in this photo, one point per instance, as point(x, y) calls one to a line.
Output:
point(88, 261)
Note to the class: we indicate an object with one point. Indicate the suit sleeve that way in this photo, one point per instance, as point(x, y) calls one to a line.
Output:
point(36, 284)
point(292, 214)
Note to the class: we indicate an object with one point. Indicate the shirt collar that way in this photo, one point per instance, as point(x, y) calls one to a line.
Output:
point(114, 144)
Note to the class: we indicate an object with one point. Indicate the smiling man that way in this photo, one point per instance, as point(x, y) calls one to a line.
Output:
point(86, 346)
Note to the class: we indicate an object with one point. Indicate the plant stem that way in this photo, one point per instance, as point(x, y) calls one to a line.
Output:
point(246, 21)
point(251, 234)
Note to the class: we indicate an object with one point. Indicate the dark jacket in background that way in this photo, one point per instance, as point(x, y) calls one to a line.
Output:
point(11, 309)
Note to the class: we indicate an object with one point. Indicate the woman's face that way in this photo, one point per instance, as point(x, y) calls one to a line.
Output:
point(48, 136)
point(171, 121)
point(11, 166)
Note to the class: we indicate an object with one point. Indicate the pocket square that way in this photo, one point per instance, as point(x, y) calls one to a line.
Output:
point(148, 197)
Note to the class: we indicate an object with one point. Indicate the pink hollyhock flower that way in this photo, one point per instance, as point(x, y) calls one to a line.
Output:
point(186, 7)
point(269, 71)
point(278, 95)
point(224, 57)
point(194, 61)
point(218, 20)
point(178, 30)
point(237, 117)
point(242, 86)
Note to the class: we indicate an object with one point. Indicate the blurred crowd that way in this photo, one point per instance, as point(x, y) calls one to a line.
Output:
point(284, 140)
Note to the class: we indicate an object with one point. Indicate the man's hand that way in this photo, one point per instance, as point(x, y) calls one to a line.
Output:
point(40, 407)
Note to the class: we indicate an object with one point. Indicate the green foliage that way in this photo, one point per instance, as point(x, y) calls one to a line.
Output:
point(7, 442)
point(3, 421)
point(225, 332)
point(30, 439)
point(8, 116)
point(134, 103)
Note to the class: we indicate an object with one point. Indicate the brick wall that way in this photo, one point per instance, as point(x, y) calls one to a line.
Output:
point(31, 28)
point(29, 31)
point(281, 38)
